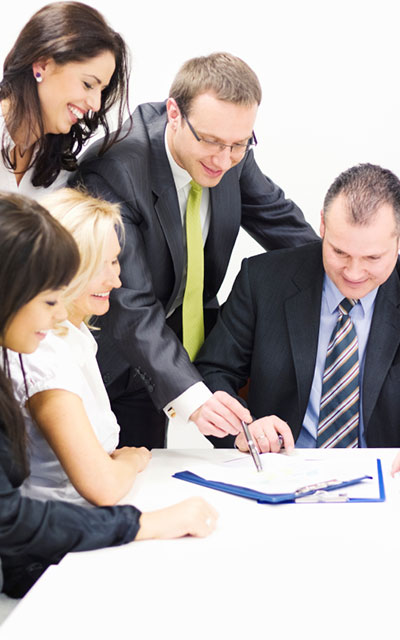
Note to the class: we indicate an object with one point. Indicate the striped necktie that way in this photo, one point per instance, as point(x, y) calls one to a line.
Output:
point(339, 408)
point(192, 306)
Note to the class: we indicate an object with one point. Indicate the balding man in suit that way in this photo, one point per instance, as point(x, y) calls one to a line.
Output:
point(317, 328)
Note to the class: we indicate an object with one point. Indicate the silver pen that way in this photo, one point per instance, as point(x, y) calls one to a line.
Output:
point(252, 447)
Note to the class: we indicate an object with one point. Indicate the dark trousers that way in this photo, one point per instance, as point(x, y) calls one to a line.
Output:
point(142, 425)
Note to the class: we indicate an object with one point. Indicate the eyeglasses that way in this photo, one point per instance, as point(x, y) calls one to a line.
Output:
point(237, 150)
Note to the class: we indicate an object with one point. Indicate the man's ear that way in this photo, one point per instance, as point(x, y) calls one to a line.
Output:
point(322, 225)
point(173, 113)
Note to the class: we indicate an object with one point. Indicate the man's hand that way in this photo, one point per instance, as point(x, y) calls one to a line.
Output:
point(220, 416)
point(269, 434)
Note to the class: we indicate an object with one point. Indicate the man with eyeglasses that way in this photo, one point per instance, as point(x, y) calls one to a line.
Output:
point(186, 179)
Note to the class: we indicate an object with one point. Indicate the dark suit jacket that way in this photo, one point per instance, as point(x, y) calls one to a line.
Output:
point(136, 173)
point(268, 331)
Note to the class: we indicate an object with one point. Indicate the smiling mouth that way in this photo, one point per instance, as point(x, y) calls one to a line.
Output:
point(101, 295)
point(76, 112)
point(354, 283)
point(212, 172)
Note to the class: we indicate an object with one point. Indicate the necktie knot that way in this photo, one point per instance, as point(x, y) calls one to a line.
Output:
point(195, 187)
point(346, 306)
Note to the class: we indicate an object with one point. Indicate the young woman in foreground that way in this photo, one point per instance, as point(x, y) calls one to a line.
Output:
point(39, 258)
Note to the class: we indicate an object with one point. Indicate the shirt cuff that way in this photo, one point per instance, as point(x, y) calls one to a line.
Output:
point(190, 400)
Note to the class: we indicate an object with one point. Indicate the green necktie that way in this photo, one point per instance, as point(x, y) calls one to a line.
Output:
point(192, 306)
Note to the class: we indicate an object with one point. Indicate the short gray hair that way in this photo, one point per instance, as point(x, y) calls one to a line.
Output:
point(366, 187)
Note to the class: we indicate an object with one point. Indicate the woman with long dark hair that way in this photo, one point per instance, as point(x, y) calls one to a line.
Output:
point(65, 72)
point(39, 258)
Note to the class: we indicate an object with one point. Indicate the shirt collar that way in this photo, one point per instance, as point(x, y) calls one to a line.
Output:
point(181, 177)
point(79, 340)
point(334, 296)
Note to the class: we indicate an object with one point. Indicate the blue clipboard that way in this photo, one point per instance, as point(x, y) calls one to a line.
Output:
point(318, 492)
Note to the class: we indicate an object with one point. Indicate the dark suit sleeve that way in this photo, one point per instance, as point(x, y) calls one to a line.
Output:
point(35, 534)
point(135, 323)
point(224, 361)
point(271, 219)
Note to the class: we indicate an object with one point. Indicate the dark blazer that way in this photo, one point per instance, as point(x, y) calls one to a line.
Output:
point(136, 173)
point(268, 331)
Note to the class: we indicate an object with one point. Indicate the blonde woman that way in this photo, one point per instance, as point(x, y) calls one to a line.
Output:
point(72, 431)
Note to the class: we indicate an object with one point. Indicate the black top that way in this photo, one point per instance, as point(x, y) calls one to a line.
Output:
point(35, 534)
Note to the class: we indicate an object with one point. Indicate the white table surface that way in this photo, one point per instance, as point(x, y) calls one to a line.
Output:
point(289, 571)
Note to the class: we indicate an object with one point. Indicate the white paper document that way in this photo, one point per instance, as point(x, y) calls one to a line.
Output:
point(288, 473)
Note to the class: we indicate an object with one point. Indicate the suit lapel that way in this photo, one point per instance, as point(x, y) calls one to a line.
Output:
point(166, 200)
point(303, 311)
point(383, 342)
point(222, 234)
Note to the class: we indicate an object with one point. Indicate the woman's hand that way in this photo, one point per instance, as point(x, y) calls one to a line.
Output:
point(193, 517)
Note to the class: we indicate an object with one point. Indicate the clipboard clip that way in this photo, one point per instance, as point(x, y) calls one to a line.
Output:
point(317, 486)
point(323, 496)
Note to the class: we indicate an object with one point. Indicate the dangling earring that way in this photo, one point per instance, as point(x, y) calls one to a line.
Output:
point(38, 77)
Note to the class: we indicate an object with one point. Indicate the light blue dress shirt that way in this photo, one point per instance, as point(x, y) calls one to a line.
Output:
point(361, 315)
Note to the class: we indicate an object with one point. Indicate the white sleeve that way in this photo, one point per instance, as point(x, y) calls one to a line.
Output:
point(49, 367)
point(188, 401)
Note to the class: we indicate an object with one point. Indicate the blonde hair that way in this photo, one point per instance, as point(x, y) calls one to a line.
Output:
point(89, 220)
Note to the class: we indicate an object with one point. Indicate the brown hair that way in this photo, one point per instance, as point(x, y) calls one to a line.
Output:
point(37, 254)
point(65, 32)
point(229, 77)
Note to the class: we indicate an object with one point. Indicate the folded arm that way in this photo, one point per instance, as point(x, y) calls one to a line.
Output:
point(101, 478)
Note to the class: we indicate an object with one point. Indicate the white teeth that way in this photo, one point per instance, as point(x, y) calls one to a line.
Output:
point(101, 295)
point(77, 113)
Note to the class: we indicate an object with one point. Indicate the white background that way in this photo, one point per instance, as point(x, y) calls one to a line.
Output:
point(329, 73)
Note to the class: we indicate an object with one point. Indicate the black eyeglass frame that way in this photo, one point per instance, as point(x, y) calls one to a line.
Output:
point(243, 148)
